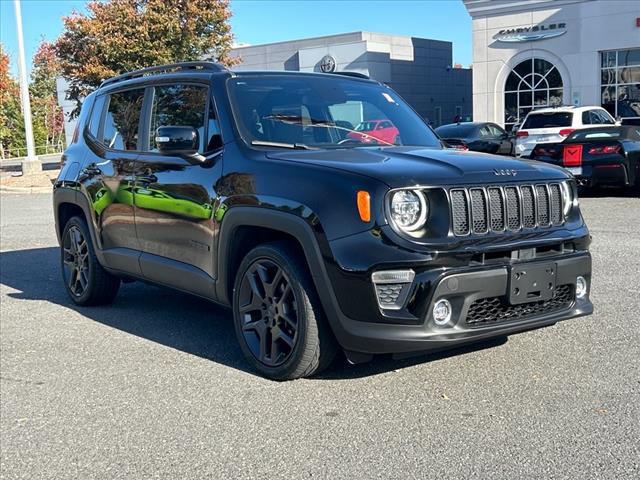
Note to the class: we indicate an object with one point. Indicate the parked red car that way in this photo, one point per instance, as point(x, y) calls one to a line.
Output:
point(375, 131)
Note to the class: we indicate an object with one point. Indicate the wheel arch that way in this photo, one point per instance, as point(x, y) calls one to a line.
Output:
point(68, 202)
point(244, 227)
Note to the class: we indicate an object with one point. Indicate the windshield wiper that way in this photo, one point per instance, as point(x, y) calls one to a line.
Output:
point(293, 146)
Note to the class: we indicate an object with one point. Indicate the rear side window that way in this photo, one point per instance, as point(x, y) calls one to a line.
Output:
point(485, 132)
point(122, 121)
point(605, 118)
point(96, 115)
point(179, 105)
point(548, 120)
point(495, 130)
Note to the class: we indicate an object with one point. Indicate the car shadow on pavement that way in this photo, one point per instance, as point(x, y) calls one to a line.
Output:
point(167, 317)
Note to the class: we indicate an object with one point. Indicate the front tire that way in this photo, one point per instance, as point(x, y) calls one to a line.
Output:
point(279, 322)
point(86, 282)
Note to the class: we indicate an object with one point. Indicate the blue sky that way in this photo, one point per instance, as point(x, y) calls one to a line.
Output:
point(264, 21)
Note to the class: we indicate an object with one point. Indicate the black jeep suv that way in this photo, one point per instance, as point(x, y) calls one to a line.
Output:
point(265, 191)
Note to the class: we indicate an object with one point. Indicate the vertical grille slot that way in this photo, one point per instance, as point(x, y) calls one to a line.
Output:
point(528, 206)
point(543, 205)
point(513, 208)
point(459, 212)
point(555, 199)
point(478, 210)
point(496, 209)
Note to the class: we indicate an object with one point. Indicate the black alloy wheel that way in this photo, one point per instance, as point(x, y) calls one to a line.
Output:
point(268, 312)
point(86, 282)
point(279, 322)
point(75, 261)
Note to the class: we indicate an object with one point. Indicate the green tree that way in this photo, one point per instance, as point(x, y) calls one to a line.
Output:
point(11, 124)
point(117, 36)
point(48, 120)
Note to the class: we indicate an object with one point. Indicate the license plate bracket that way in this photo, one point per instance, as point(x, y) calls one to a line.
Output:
point(532, 283)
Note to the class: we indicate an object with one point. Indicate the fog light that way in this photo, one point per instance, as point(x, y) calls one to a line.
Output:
point(581, 287)
point(442, 312)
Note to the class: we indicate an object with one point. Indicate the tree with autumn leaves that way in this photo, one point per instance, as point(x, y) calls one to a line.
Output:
point(48, 121)
point(11, 130)
point(118, 36)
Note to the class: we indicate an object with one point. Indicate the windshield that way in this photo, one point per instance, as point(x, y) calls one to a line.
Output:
point(548, 120)
point(305, 111)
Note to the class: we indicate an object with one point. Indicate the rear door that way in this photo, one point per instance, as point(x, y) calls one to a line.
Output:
point(176, 197)
point(108, 174)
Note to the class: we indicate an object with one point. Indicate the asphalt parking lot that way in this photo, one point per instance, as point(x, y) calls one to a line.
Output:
point(155, 386)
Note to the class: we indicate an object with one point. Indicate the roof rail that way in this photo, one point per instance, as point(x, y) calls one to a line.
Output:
point(208, 66)
point(352, 74)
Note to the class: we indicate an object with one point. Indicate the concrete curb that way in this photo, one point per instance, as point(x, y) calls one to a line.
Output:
point(25, 190)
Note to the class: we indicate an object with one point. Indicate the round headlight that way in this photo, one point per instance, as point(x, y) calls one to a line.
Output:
point(569, 198)
point(409, 209)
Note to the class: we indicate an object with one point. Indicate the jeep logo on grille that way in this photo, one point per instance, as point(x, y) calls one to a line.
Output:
point(505, 171)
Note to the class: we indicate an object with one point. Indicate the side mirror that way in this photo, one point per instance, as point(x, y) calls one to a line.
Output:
point(177, 140)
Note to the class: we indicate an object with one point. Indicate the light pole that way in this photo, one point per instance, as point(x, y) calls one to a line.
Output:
point(31, 164)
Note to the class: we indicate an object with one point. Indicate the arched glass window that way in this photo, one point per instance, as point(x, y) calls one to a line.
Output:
point(532, 83)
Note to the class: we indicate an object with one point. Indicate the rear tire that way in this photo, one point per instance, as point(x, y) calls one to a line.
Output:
point(86, 282)
point(278, 319)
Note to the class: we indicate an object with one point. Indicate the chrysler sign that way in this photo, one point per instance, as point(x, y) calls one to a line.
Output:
point(532, 33)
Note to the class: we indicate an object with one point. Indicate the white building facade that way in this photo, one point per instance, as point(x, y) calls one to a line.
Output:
point(535, 53)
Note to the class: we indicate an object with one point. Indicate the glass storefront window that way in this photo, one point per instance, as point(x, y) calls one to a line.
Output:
point(532, 83)
point(620, 82)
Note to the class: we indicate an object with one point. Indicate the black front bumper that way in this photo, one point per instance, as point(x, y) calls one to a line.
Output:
point(464, 288)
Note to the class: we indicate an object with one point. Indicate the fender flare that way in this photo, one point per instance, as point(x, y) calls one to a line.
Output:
point(74, 197)
point(245, 216)
point(290, 224)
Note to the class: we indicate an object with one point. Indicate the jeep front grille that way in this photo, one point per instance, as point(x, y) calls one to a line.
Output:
point(476, 210)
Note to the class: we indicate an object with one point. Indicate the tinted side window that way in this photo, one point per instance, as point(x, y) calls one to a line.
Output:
point(213, 130)
point(122, 121)
point(586, 118)
point(604, 117)
point(485, 132)
point(96, 115)
point(495, 130)
point(178, 105)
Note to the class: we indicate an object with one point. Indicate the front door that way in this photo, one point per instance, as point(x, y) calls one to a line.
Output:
point(502, 139)
point(175, 198)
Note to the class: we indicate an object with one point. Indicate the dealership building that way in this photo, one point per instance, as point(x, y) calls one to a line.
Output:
point(554, 52)
point(419, 69)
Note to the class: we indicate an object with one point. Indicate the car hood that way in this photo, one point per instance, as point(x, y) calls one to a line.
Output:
point(407, 166)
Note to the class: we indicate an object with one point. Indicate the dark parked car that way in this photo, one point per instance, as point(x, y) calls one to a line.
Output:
point(241, 188)
point(478, 137)
point(597, 156)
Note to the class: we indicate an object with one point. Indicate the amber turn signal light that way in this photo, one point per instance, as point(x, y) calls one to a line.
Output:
point(364, 206)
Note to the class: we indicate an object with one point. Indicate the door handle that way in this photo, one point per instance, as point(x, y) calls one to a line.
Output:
point(91, 170)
